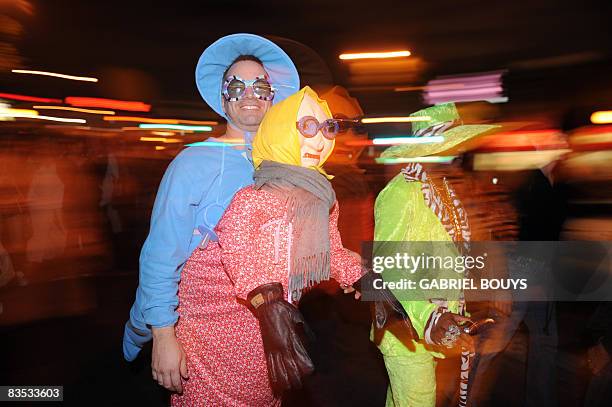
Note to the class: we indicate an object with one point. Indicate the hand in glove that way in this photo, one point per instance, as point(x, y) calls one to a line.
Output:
point(282, 330)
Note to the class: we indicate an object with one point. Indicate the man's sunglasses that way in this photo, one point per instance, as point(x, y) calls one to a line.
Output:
point(235, 87)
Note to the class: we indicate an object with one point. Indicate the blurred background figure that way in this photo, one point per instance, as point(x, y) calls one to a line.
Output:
point(599, 357)
point(541, 211)
point(356, 221)
point(11, 215)
point(110, 190)
point(15, 221)
point(7, 272)
point(45, 204)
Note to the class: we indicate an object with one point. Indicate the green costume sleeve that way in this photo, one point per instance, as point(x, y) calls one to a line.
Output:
point(401, 214)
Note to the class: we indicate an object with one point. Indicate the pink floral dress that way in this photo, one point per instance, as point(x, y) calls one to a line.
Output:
point(220, 336)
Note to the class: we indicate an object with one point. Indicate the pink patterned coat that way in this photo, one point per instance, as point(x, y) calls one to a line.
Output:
point(221, 337)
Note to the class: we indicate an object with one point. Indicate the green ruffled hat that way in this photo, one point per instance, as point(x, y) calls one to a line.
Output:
point(444, 121)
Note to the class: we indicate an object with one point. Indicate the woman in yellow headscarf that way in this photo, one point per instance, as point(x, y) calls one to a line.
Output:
point(277, 238)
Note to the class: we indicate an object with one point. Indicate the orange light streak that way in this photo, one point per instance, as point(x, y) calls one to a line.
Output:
point(161, 139)
point(108, 103)
point(28, 98)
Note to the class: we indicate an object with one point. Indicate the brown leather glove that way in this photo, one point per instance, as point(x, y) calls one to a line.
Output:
point(282, 330)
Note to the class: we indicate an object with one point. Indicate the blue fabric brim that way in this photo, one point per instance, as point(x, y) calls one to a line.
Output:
point(218, 57)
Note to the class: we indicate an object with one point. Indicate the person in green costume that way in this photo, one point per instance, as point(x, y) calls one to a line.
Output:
point(416, 206)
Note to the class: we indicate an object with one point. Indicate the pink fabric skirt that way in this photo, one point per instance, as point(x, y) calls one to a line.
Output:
point(221, 338)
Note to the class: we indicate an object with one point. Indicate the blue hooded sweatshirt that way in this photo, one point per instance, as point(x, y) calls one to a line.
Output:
point(194, 192)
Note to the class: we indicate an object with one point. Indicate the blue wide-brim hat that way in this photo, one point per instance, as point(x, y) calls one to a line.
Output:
point(219, 56)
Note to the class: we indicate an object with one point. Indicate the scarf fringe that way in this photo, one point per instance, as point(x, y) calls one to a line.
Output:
point(307, 272)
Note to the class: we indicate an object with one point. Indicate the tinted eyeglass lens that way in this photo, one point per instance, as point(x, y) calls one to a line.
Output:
point(344, 126)
point(235, 88)
point(331, 128)
point(262, 88)
point(360, 128)
point(309, 126)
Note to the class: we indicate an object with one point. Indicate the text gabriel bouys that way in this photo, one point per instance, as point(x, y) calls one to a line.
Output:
point(453, 284)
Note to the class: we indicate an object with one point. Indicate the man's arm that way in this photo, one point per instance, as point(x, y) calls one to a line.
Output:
point(167, 246)
point(165, 251)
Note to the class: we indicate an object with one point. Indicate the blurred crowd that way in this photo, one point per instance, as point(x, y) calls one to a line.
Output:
point(75, 207)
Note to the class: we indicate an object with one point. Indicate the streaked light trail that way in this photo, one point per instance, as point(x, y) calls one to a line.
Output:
point(56, 75)
point(375, 55)
point(174, 127)
point(399, 119)
point(74, 109)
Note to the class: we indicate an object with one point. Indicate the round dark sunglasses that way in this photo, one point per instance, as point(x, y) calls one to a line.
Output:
point(309, 126)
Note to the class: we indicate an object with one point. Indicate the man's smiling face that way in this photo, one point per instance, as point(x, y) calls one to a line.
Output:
point(246, 113)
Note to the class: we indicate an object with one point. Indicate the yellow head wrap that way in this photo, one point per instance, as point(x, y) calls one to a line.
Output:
point(278, 138)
